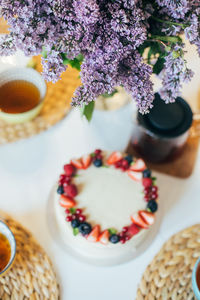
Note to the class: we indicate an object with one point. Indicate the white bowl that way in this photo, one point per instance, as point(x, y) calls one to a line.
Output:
point(32, 76)
point(5, 230)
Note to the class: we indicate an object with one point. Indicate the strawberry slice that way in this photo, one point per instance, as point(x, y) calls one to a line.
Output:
point(103, 238)
point(138, 220)
point(66, 202)
point(86, 161)
point(77, 163)
point(148, 217)
point(114, 157)
point(94, 234)
point(137, 176)
point(133, 229)
point(138, 166)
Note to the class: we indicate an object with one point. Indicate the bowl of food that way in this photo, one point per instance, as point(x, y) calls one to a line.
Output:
point(7, 248)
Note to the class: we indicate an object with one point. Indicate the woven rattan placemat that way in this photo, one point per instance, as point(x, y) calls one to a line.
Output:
point(31, 276)
point(169, 274)
point(56, 106)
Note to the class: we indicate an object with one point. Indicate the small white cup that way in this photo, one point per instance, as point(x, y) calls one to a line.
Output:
point(5, 230)
point(32, 76)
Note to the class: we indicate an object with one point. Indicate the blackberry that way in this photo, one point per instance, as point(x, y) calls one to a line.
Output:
point(75, 223)
point(146, 173)
point(129, 159)
point(85, 228)
point(152, 205)
point(97, 163)
point(114, 238)
point(60, 190)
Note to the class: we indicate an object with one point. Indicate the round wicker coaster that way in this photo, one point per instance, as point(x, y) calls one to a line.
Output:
point(169, 274)
point(56, 106)
point(31, 276)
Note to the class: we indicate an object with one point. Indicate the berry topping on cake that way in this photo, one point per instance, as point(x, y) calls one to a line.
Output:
point(147, 182)
point(66, 201)
point(152, 206)
point(75, 223)
point(148, 217)
point(71, 190)
point(138, 220)
point(97, 163)
point(132, 230)
point(104, 237)
point(134, 168)
point(86, 161)
point(137, 176)
point(114, 157)
point(114, 238)
point(60, 190)
point(94, 234)
point(77, 163)
point(85, 228)
point(138, 165)
point(129, 159)
point(146, 173)
point(69, 169)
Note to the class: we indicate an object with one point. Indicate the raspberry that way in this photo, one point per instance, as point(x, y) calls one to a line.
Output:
point(67, 211)
point(125, 229)
point(97, 151)
point(81, 218)
point(154, 188)
point(69, 218)
point(69, 169)
point(78, 211)
point(147, 182)
point(71, 190)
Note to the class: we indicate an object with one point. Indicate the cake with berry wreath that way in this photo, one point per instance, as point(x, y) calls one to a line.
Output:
point(105, 204)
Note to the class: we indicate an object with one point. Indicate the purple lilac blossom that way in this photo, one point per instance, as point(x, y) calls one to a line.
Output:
point(109, 34)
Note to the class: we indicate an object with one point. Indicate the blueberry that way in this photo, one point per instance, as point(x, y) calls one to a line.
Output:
point(114, 238)
point(152, 205)
point(97, 163)
point(75, 223)
point(129, 159)
point(146, 173)
point(85, 228)
point(60, 190)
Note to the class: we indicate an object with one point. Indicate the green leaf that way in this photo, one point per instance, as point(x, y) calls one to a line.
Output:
point(74, 63)
point(107, 95)
point(87, 110)
point(112, 231)
point(44, 52)
point(148, 209)
point(159, 65)
point(72, 210)
point(105, 166)
point(92, 154)
point(75, 231)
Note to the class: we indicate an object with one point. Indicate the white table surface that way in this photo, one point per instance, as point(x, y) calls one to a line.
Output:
point(28, 170)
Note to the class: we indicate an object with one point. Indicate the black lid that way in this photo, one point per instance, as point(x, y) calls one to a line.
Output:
point(167, 120)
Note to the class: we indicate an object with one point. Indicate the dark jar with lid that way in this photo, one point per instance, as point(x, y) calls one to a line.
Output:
point(160, 135)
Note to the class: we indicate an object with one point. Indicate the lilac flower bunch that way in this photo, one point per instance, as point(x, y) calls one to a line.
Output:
point(112, 42)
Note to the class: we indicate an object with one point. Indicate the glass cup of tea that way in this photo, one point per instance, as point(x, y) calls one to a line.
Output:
point(196, 279)
point(22, 93)
point(7, 248)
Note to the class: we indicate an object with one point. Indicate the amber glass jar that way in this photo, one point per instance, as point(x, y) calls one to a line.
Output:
point(161, 135)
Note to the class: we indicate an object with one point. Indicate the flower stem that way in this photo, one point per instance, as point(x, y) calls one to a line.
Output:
point(170, 22)
point(172, 39)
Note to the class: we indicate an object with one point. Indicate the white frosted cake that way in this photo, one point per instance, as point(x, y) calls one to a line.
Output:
point(105, 204)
